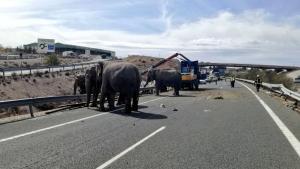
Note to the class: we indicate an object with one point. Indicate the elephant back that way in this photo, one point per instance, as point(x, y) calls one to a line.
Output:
point(167, 76)
point(121, 76)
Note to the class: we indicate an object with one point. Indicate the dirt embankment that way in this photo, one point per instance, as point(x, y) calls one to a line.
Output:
point(54, 84)
point(144, 62)
point(37, 85)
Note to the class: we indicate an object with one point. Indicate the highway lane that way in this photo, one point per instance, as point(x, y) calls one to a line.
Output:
point(234, 132)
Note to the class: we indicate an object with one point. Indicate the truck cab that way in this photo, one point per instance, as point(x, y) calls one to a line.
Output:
point(189, 74)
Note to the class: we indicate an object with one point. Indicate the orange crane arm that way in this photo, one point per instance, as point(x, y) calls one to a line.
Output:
point(164, 61)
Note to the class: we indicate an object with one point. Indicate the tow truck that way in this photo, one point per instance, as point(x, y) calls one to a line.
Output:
point(189, 70)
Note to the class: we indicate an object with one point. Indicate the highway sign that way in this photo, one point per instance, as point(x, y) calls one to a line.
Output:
point(46, 46)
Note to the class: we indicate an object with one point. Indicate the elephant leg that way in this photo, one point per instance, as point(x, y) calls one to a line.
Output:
point(157, 88)
point(92, 92)
point(88, 97)
point(120, 99)
point(174, 89)
point(95, 96)
point(75, 88)
point(177, 88)
point(111, 101)
point(102, 100)
point(177, 92)
point(128, 104)
point(135, 101)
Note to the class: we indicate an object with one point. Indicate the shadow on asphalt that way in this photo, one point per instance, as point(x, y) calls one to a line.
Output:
point(180, 95)
point(141, 115)
point(204, 89)
point(183, 95)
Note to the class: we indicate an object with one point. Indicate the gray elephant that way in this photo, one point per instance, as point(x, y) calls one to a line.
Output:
point(122, 77)
point(164, 78)
point(92, 84)
point(79, 82)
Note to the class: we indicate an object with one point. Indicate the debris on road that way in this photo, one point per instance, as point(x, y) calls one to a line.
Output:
point(207, 110)
point(219, 98)
point(175, 109)
point(162, 106)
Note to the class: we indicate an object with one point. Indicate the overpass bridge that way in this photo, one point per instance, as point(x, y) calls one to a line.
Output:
point(258, 66)
point(199, 129)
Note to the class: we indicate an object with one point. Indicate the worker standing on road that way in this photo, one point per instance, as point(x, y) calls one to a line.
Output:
point(232, 81)
point(258, 83)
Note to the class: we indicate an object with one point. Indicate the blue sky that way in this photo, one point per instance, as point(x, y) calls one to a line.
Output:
point(248, 31)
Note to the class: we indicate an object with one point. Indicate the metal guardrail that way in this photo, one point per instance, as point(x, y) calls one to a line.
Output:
point(278, 88)
point(30, 70)
point(49, 99)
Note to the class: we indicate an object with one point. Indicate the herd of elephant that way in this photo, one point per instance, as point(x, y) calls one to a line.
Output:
point(109, 78)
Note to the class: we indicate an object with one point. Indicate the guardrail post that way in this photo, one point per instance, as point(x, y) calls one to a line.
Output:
point(63, 67)
point(295, 105)
point(30, 71)
point(31, 111)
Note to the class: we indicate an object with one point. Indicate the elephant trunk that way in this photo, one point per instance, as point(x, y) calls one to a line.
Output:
point(146, 83)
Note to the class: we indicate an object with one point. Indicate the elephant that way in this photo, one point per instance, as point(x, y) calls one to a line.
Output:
point(122, 77)
point(79, 82)
point(92, 84)
point(164, 78)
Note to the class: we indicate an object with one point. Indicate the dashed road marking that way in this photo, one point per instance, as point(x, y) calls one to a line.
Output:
point(115, 158)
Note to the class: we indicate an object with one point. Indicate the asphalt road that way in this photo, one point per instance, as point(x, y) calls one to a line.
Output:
point(233, 132)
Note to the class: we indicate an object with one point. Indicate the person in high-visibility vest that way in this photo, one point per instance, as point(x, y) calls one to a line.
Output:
point(258, 83)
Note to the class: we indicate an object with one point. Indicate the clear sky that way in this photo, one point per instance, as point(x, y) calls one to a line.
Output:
point(244, 31)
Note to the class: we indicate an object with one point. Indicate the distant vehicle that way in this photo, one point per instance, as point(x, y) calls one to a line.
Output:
point(202, 81)
point(68, 54)
point(84, 56)
point(219, 71)
point(297, 80)
point(211, 78)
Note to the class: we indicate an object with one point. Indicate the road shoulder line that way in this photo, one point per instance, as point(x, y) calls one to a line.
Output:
point(283, 128)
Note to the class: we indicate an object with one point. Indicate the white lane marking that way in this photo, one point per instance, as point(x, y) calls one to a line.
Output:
point(115, 158)
point(152, 100)
point(48, 128)
point(284, 129)
point(63, 124)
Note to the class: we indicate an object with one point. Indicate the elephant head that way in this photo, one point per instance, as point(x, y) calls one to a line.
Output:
point(150, 76)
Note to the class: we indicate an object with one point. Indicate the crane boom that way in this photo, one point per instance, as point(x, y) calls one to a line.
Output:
point(166, 60)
